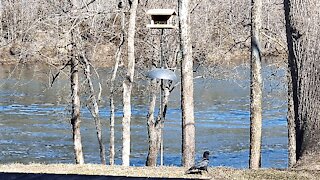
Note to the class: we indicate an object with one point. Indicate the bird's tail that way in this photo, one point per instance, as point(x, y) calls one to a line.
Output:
point(189, 171)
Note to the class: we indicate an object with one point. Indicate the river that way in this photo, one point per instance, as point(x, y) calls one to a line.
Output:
point(35, 128)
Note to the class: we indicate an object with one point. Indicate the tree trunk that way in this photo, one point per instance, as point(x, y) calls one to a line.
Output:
point(94, 110)
point(292, 159)
point(75, 86)
point(153, 136)
point(75, 111)
point(303, 35)
point(112, 91)
point(188, 125)
point(155, 127)
point(291, 123)
point(162, 116)
point(127, 86)
point(256, 87)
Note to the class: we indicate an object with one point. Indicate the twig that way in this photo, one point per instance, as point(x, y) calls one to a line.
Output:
point(191, 11)
point(274, 39)
point(54, 77)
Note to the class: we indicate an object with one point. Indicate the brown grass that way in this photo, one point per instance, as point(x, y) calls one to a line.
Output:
point(167, 172)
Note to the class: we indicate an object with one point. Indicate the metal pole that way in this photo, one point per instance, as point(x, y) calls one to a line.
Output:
point(161, 110)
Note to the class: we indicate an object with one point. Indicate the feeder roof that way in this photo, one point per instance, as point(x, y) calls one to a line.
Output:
point(159, 73)
point(161, 12)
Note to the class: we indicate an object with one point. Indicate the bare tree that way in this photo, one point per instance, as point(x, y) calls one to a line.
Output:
point(93, 107)
point(303, 36)
point(256, 87)
point(112, 85)
point(188, 124)
point(156, 125)
point(78, 54)
point(127, 86)
point(33, 29)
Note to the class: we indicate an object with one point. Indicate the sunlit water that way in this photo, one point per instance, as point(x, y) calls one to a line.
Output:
point(34, 120)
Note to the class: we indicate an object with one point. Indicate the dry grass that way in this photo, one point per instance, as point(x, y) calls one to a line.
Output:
point(167, 172)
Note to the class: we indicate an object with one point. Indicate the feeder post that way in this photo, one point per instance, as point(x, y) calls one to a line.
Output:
point(161, 19)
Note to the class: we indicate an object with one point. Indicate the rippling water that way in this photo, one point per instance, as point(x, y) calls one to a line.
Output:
point(34, 121)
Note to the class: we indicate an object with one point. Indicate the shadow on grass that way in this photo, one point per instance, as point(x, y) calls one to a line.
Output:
point(32, 176)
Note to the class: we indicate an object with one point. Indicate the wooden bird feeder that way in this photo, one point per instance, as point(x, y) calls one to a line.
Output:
point(161, 18)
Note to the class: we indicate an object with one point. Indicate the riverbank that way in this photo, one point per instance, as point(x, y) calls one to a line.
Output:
point(160, 172)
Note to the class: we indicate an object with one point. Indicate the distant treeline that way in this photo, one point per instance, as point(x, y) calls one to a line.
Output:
point(36, 30)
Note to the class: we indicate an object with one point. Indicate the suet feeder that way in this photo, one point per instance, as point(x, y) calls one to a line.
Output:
point(161, 18)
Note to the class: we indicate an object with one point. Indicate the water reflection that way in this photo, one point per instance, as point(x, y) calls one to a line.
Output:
point(34, 121)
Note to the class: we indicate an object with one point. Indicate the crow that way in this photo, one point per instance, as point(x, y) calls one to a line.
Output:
point(200, 166)
point(120, 5)
point(130, 3)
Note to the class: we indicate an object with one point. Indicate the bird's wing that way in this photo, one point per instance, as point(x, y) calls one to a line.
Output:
point(202, 164)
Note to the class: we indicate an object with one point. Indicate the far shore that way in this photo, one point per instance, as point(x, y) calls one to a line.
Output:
point(160, 172)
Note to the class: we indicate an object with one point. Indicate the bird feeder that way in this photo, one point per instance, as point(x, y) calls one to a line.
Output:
point(161, 18)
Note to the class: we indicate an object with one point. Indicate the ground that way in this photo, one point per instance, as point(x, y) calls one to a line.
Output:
point(168, 172)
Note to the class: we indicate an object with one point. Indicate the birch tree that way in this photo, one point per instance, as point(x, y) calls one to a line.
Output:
point(127, 86)
point(187, 104)
point(256, 87)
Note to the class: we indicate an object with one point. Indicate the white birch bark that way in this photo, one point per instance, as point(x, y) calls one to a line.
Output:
point(256, 87)
point(127, 87)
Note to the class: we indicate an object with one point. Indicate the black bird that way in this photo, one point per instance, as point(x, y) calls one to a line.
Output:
point(200, 166)
point(120, 5)
point(130, 3)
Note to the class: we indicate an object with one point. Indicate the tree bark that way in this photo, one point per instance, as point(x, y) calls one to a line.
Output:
point(292, 159)
point(256, 87)
point(303, 36)
point(75, 109)
point(187, 104)
point(153, 135)
point(291, 72)
point(127, 86)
